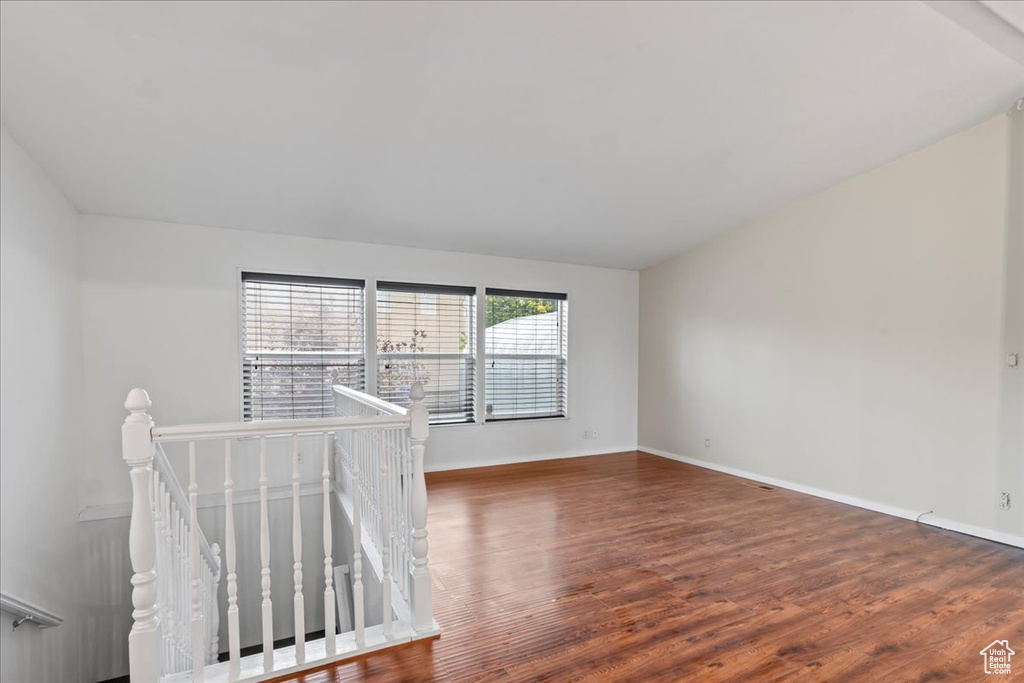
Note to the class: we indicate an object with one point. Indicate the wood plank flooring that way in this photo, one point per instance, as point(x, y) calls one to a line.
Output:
point(630, 567)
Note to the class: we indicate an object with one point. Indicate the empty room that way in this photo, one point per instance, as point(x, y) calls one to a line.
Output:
point(468, 341)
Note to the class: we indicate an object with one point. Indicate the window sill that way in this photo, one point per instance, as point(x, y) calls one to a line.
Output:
point(449, 425)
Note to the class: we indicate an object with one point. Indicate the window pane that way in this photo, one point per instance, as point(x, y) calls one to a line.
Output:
point(427, 336)
point(299, 339)
point(526, 357)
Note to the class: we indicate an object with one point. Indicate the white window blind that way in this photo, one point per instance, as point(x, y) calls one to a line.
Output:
point(301, 335)
point(425, 333)
point(527, 354)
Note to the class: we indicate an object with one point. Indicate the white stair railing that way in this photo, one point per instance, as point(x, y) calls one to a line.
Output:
point(187, 569)
point(176, 572)
point(379, 483)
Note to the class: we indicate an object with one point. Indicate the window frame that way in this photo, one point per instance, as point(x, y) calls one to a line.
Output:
point(298, 278)
point(564, 312)
point(370, 341)
point(431, 289)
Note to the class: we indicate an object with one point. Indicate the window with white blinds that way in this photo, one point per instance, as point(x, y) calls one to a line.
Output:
point(300, 336)
point(426, 333)
point(527, 354)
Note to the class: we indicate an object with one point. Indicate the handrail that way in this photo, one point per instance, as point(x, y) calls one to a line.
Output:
point(162, 465)
point(371, 401)
point(26, 611)
point(272, 428)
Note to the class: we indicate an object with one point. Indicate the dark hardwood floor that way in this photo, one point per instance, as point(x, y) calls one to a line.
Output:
point(629, 567)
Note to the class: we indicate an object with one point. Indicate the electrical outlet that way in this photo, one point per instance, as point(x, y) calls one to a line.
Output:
point(707, 443)
point(589, 433)
point(1004, 500)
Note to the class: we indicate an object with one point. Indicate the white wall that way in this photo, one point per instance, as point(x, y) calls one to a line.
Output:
point(40, 405)
point(851, 342)
point(1011, 432)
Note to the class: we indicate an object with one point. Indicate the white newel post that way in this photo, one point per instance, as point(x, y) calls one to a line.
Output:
point(137, 450)
point(422, 604)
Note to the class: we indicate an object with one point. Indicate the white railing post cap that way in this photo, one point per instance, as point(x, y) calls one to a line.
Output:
point(136, 432)
point(416, 392)
point(138, 401)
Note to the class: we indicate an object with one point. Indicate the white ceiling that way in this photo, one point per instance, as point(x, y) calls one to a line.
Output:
point(599, 133)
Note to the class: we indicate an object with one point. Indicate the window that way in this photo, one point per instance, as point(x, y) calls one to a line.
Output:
point(426, 334)
point(300, 336)
point(527, 350)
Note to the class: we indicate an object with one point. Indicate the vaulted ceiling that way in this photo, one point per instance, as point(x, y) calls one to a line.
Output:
point(602, 133)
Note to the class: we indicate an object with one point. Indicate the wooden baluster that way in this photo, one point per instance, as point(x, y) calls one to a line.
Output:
point(403, 497)
point(185, 585)
point(384, 489)
point(229, 554)
point(173, 543)
point(215, 606)
point(394, 504)
point(378, 437)
point(181, 589)
point(300, 611)
point(268, 607)
point(137, 451)
point(389, 453)
point(159, 565)
point(329, 606)
point(366, 466)
point(207, 617)
point(397, 506)
point(373, 479)
point(205, 651)
point(359, 455)
point(407, 499)
point(422, 601)
point(198, 647)
point(172, 629)
point(357, 541)
point(165, 573)
point(169, 629)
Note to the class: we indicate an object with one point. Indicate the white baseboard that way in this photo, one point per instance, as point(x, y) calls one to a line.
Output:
point(515, 459)
point(904, 513)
